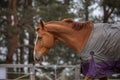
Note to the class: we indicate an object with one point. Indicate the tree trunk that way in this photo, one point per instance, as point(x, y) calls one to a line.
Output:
point(12, 30)
point(66, 2)
point(105, 16)
point(21, 49)
point(107, 13)
point(87, 2)
point(31, 42)
point(31, 35)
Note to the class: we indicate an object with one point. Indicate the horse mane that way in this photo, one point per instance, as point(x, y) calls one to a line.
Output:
point(75, 25)
point(78, 25)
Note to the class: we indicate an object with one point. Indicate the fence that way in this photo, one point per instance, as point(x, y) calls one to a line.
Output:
point(33, 69)
point(30, 66)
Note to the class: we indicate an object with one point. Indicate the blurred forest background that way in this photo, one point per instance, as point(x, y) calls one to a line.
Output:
point(19, 19)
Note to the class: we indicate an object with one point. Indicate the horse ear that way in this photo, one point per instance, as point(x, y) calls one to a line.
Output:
point(42, 23)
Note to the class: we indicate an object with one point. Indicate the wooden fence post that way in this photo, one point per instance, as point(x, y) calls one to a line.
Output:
point(32, 72)
point(77, 72)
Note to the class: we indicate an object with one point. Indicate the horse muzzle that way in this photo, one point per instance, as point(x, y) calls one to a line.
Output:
point(39, 58)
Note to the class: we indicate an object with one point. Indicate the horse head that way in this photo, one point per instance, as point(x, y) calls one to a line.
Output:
point(44, 41)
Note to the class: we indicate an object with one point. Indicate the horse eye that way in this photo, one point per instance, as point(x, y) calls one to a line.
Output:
point(40, 38)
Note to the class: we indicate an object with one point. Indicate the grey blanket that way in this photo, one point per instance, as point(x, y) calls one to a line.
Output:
point(104, 46)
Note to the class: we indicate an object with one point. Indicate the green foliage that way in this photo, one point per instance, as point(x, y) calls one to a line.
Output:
point(53, 10)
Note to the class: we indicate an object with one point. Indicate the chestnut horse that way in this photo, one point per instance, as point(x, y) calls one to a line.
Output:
point(97, 44)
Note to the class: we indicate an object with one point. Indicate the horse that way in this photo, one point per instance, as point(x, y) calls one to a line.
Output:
point(97, 44)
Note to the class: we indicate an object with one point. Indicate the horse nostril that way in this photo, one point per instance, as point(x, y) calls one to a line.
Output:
point(39, 58)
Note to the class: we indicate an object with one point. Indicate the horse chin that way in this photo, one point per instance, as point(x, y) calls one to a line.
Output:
point(40, 60)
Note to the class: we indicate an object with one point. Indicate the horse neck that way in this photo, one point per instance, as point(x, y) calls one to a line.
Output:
point(75, 39)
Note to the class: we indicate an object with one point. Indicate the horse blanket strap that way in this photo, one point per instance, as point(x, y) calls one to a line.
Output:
point(101, 54)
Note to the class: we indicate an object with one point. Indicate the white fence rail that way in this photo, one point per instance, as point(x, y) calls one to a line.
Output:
point(33, 69)
point(30, 66)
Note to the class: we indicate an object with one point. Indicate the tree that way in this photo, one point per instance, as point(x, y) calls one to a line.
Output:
point(83, 9)
point(12, 35)
point(110, 8)
point(53, 9)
